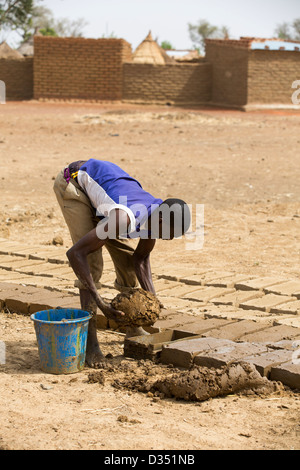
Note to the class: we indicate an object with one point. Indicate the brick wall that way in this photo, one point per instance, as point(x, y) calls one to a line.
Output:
point(78, 68)
point(271, 74)
point(174, 83)
point(17, 74)
point(229, 61)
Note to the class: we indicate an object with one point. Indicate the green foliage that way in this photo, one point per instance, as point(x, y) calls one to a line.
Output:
point(204, 30)
point(15, 14)
point(48, 32)
point(166, 45)
point(289, 31)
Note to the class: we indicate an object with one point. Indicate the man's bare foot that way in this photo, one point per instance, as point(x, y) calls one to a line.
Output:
point(135, 331)
point(94, 357)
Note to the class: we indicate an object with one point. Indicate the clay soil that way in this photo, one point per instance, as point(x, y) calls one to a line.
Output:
point(244, 168)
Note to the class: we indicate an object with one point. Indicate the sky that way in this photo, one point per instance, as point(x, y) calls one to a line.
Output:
point(168, 19)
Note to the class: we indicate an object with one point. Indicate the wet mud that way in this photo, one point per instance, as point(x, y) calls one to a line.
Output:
point(198, 383)
point(141, 308)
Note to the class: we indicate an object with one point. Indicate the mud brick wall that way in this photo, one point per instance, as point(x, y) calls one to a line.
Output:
point(229, 61)
point(174, 83)
point(271, 74)
point(78, 68)
point(17, 74)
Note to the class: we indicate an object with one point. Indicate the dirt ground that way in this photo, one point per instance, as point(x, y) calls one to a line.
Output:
point(244, 168)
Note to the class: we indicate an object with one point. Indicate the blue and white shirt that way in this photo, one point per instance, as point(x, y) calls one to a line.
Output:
point(109, 187)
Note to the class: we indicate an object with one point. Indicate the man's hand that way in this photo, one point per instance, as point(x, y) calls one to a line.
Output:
point(111, 313)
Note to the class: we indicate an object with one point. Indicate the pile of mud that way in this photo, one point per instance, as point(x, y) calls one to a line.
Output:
point(199, 383)
point(141, 308)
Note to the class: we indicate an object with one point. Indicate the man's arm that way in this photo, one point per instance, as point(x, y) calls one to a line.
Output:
point(141, 259)
point(91, 242)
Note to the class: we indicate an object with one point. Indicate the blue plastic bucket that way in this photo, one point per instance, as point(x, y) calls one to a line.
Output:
point(61, 336)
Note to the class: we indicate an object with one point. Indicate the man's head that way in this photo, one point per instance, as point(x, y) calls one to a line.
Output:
point(170, 220)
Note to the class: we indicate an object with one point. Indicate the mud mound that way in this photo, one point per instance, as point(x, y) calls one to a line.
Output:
point(140, 307)
point(201, 383)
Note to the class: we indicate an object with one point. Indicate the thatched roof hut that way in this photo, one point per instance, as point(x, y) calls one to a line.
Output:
point(27, 48)
point(6, 52)
point(149, 52)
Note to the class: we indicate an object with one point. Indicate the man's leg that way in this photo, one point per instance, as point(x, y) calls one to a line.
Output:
point(79, 216)
point(94, 355)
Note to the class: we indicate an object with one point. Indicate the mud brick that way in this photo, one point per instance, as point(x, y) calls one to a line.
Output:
point(25, 265)
point(176, 303)
point(13, 276)
point(17, 304)
point(195, 279)
point(236, 298)
point(221, 356)
point(51, 302)
point(179, 291)
point(166, 272)
point(163, 284)
point(291, 288)
point(235, 330)
point(216, 279)
point(203, 325)
point(287, 373)
point(172, 320)
point(150, 346)
point(264, 362)
point(7, 247)
point(266, 302)
point(40, 255)
point(258, 283)
point(182, 354)
point(5, 286)
point(290, 345)
point(229, 281)
point(292, 321)
point(207, 293)
point(292, 308)
point(206, 277)
point(272, 334)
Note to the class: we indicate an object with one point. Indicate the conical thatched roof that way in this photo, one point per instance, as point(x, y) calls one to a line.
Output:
point(27, 48)
point(149, 52)
point(7, 52)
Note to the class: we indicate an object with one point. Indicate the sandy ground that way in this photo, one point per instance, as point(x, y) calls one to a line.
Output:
point(244, 168)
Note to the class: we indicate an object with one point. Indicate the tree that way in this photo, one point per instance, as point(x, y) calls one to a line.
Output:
point(15, 14)
point(289, 31)
point(166, 45)
point(204, 30)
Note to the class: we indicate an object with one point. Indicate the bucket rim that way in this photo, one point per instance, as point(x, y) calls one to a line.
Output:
point(57, 322)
